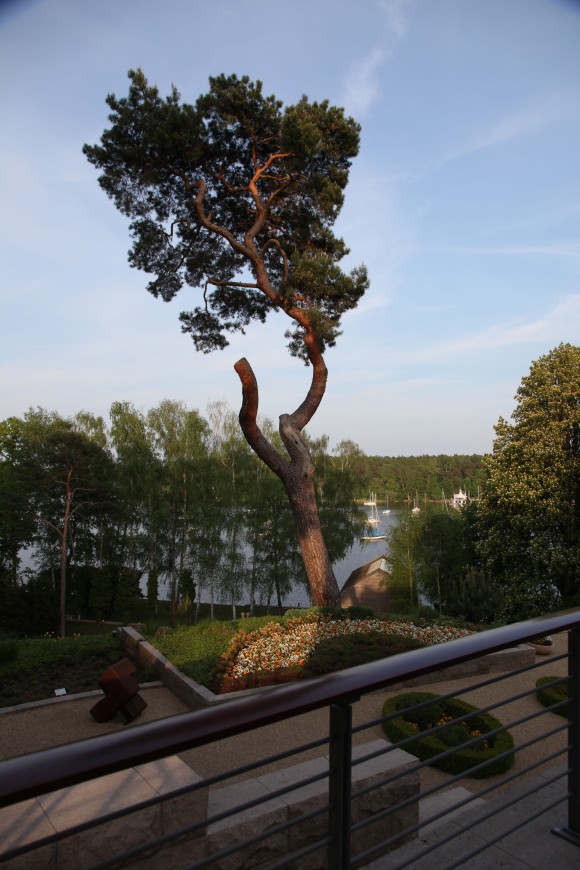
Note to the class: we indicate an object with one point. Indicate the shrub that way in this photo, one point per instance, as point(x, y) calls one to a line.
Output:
point(425, 716)
point(297, 613)
point(465, 724)
point(44, 664)
point(428, 613)
point(356, 611)
point(347, 651)
point(549, 694)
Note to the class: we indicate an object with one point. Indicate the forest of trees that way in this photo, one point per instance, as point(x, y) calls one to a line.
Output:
point(165, 493)
point(90, 508)
point(426, 478)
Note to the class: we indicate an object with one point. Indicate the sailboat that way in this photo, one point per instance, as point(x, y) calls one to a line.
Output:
point(373, 533)
point(388, 510)
point(416, 509)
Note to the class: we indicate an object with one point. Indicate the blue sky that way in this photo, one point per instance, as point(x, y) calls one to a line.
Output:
point(464, 203)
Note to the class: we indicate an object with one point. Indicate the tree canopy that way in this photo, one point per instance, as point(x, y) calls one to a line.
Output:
point(530, 510)
point(229, 186)
point(236, 196)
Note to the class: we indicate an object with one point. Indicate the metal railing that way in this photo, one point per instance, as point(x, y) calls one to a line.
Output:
point(361, 803)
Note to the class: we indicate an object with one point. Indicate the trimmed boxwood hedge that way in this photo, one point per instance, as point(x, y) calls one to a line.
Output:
point(429, 746)
point(548, 695)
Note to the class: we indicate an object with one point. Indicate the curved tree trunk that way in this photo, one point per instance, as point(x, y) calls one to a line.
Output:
point(297, 475)
point(302, 498)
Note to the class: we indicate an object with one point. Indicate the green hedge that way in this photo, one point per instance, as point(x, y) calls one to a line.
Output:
point(417, 724)
point(548, 695)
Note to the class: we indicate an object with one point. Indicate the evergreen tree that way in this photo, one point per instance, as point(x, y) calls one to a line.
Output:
point(237, 196)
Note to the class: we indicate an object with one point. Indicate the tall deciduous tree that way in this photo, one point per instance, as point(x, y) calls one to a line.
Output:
point(440, 556)
point(402, 558)
point(237, 196)
point(68, 476)
point(530, 510)
point(17, 526)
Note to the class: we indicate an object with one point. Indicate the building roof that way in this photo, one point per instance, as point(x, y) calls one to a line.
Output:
point(366, 586)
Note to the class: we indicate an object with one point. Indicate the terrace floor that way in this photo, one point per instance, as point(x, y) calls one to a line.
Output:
point(34, 727)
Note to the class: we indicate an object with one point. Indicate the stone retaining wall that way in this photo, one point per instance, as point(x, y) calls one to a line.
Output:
point(195, 695)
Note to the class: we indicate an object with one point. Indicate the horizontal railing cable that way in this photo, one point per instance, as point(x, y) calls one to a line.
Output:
point(137, 851)
point(176, 793)
point(259, 838)
point(437, 788)
point(465, 826)
point(428, 762)
point(252, 766)
point(462, 775)
point(41, 772)
point(485, 817)
point(471, 688)
point(293, 856)
point(506, 833)
point(229, 813)
point(409, 741)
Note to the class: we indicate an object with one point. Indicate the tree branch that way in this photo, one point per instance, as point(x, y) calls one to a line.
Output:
point(282, 253)
point(304, 413)
point(216, 283)
point(248, 420)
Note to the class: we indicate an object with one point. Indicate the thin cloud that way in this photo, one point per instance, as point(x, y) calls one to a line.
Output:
point(396, 19)
point(562, 320)
point(560, 249)
point(509, 128)
point(362, 85)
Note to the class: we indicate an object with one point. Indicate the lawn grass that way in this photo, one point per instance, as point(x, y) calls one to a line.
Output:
point(31, 669)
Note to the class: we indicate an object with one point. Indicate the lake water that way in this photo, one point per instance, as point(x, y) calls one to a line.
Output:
point(360, 553)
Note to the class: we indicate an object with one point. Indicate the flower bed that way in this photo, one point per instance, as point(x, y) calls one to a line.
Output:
point(464, 729)
point(286, 647)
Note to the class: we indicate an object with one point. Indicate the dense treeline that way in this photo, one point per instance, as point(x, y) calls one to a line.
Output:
point(90, 509)
point(431, 478)
point(180, 499)
point(167, 495)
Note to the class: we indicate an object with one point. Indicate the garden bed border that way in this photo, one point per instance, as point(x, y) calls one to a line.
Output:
point(194, 695)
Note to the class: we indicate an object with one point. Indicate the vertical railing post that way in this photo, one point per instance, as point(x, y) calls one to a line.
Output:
point(339, 786)
point(572, 831)
point(574, 733)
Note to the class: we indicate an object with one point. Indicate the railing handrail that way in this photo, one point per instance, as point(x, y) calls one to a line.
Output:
point(24, 776)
